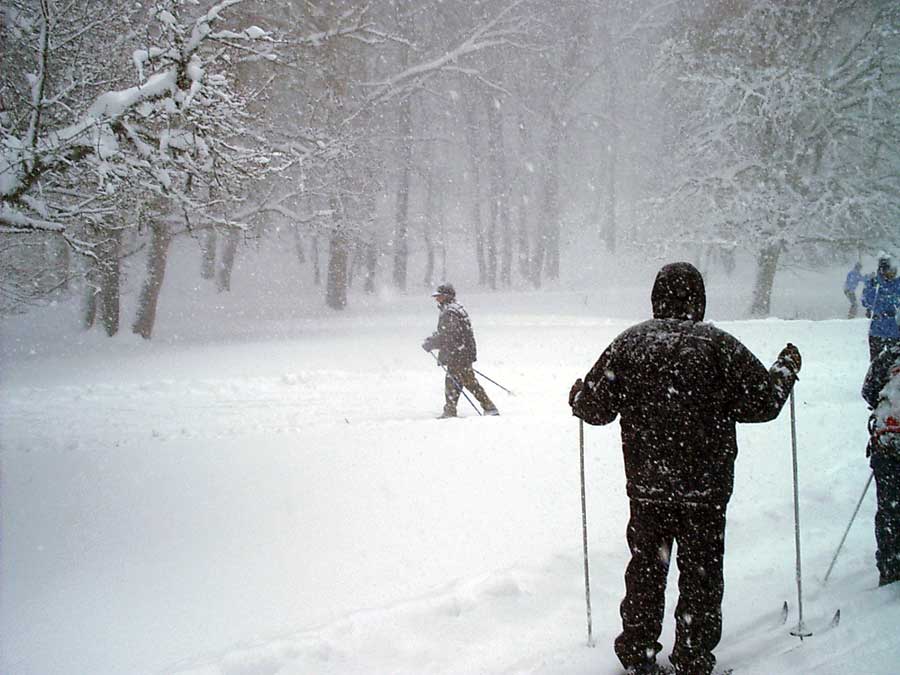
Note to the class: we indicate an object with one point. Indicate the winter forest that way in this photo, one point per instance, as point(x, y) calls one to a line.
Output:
point(221, 223)
point(510, 144)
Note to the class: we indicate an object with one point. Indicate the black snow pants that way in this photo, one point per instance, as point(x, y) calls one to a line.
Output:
point(878, 344)
point(698, 530)
point(887, 516)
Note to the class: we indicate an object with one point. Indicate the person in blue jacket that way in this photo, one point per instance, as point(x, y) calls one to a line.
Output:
point(881, 297)
point(855, 277)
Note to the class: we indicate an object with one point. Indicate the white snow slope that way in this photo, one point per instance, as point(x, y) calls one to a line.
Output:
point(286, 502)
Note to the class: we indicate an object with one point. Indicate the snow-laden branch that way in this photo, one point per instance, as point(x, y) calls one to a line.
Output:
point(499, 31)
point(178, 84)
point(38, 83)
point(781, 140)
point(13, 221)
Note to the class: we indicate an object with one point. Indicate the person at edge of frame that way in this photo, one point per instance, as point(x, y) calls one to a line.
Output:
point(881, 298)
point(882, 388)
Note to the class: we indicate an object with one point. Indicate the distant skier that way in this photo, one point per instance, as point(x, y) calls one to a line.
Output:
point(881, 297)
point(455, 342)
point(881, 390)
point(854, 278)
point(680, 385)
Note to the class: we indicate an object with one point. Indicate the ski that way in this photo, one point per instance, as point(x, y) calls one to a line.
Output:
point(803, 631)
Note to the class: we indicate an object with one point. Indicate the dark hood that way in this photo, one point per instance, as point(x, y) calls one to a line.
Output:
point(679, 293)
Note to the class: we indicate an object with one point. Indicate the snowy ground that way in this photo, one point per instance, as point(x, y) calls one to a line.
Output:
point(282, 501)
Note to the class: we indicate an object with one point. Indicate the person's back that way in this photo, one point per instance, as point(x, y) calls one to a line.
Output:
point(680, 385)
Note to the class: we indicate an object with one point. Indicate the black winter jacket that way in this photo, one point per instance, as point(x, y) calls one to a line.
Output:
point(454, 338)
point(680, 385)
point(879, 373)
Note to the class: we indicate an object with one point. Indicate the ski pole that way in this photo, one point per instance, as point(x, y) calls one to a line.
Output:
point(587, 582)
point(456, 384)
point(494, 381)
point(847, 531)
point(800, 631)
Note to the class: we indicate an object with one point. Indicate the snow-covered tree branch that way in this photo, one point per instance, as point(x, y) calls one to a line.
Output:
point(789, 131)
point(169, 129)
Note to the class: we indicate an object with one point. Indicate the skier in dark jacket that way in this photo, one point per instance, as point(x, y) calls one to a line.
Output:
point(679, 385)
point(885, 465)
point(455, 342)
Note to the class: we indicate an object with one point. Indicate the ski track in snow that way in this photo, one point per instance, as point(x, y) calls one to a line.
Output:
point(214, 408)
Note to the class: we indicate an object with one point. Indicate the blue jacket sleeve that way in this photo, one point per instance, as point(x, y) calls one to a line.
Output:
point(868, 294)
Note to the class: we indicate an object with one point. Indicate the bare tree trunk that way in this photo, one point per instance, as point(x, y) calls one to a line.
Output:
point(101, 300)
point(500, 217)
point(612, 226)
point(442, 233)
point(612, 140)
point(524, 203)
point(354, 260)
point(427, 225)
point(368, 241)
point(552, 222)
point(766, 267)
point(317, 266)
point(371, 262)
point(110, 275)
point(229, 252)
point(208, 242)
point(298, 245)
point(160, 238)
point(91, 290)
point(494, 190)
point(62, 261)
point(404, 133)
point(475, 153)
point(338, 259)
point(547, 249)
point(401, 217)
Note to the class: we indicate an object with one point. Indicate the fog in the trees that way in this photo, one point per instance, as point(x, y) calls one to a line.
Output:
point(343, 148)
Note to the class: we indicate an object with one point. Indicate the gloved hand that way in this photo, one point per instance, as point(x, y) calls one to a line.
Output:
point(575, 390)
point(426, 345)
point(790, 357)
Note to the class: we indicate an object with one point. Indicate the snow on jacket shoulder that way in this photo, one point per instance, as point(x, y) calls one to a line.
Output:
point(454, 338)
point(679, 386)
